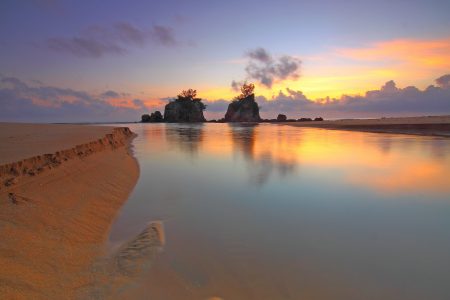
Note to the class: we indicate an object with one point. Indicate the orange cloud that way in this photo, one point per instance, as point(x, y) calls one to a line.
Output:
point(339, 71)
point(431, 53)
point(358, 69)
point(151, 104)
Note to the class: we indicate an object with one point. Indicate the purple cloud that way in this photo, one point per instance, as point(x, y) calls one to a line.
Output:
point(37, 103)
point(97, 41)
point(443, 81)
point(389, 100)
point(266, 70)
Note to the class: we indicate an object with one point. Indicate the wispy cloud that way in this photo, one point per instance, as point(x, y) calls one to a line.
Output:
point(412, 51)
point(97, 41)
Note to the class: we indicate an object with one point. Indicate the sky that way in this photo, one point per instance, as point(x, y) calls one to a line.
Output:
point(85, 61)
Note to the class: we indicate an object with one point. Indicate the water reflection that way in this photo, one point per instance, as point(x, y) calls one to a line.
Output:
point(385, 163)
point(241, 140)
point(188, 138)
point(278, 212)
point(261, 162)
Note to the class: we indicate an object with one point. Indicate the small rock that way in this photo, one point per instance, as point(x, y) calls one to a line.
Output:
point(11, 181)
point(281, 118)
point(13, 198)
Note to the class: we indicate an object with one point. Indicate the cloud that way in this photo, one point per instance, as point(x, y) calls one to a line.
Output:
point(261, 55)
point(164, 35)
point(443, 81)
point(139, 104)
point(97, 41)
point(430, 53)
point(37, 103)
point(110, 94)
point(389, 100)
point(266, 70)
point(21, 101)
point(236, 85)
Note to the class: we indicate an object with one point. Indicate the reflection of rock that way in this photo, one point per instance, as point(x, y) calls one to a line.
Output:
point(243, 110)
point(153, 118)
point(184, 110)
point(188, 137)
point(243, 137)
point(262, 162)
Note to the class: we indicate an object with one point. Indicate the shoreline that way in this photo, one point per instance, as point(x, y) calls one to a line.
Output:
point(438, 126)
point(56, 209)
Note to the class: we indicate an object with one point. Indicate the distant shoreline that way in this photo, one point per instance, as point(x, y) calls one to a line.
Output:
point(429, 126)
point(424, 125)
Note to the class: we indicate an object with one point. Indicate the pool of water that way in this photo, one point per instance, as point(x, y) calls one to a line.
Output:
point(278, 212)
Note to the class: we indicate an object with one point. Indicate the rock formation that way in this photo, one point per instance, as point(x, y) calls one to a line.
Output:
point(186, 108)
point(153, 118)
point(304, 120)
point(243, 110)
point(281, 118)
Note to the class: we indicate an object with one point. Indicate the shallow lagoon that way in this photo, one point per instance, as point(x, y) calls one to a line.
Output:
point(277, 212)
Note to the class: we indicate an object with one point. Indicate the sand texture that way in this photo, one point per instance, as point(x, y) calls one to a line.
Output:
point(57, 207)
point(432, 125)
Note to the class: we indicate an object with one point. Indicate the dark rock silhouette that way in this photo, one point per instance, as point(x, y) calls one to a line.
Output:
point(186, 108)
point(281, 118)
point(304, 120)
point(244, 107)
point(243, 110)
point(153, 118)
point(145, 118)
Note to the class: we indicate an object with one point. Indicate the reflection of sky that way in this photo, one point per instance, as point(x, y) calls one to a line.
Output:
point(334, 214)
point(386, 163)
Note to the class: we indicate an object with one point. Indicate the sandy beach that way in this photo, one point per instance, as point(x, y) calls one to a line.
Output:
point(61, 188)
point(431, 125)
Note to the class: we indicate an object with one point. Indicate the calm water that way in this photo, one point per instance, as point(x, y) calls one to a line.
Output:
point(278, 212)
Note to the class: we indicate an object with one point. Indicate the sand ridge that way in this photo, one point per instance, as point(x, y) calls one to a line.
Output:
point(12, 173)
point(54, 224)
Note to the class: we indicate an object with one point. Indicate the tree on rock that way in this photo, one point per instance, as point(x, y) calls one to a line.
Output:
point(246, 90)
point(188, 94)
point(185, 108)
point(244, 107)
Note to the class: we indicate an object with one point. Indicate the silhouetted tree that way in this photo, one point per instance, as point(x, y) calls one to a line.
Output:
point(247, 89)
point(189, 94)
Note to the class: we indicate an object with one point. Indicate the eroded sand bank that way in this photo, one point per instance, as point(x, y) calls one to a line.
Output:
point(61, 188)
point(432, 125)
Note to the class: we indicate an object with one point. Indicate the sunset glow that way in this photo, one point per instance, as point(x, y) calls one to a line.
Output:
point(146, 60)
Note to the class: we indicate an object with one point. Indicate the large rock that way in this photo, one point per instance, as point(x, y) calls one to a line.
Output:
point(184, 110)
point(243, 110)
point(153, 118)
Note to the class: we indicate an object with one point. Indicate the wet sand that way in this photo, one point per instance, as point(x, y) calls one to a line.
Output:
point(431, 125)
point(61, 188)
